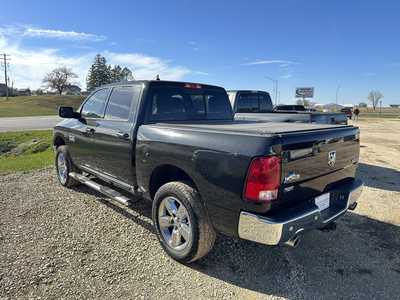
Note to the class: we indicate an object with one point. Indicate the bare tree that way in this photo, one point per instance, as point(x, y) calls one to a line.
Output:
point(374, 97)
point(59, 78)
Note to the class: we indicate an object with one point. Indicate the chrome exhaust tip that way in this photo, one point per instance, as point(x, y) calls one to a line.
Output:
point(293, 242)
point(353, 206)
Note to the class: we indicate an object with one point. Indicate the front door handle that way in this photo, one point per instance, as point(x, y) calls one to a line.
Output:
point(123, 135)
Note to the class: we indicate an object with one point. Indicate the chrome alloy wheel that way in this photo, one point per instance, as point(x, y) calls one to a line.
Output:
point(62, 167)
point(174, 222)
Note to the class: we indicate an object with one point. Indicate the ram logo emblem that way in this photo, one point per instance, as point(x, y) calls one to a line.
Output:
point(331, 158)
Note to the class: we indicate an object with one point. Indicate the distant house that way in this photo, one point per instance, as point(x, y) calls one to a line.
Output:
point(3, 90)
point(24, 92)
point(72, 90)
point(394, 105)
point(332, 107)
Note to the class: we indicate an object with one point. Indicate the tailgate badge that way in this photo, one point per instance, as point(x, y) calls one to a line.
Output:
point(331, 158)
point(291, 177)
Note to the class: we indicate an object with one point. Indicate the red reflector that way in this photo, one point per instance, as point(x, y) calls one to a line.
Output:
point(263, 179)
point(192, 86)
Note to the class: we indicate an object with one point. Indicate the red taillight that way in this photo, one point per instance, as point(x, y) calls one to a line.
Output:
point(263, 179)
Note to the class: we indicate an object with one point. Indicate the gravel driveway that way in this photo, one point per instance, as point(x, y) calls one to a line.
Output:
point(60, 243)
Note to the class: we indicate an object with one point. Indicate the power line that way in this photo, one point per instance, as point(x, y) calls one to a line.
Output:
point(6, 58)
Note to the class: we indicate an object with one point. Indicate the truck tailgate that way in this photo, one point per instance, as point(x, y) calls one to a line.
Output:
point(315, 162)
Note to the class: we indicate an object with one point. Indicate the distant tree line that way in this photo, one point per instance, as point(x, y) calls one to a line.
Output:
point(100, 73)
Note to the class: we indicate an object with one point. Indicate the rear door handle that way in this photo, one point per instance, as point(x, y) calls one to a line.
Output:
point(90, 130)
point(123, 135)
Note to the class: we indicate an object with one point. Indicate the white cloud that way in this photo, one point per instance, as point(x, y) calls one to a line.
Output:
point(29, 65)
point(286, 76)
point(283, 63)
point(147, 67)
point(368, 74)
point(35, 32)
point(201, 73)
point(59, 34)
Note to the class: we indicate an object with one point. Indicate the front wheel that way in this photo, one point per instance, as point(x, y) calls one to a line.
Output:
point(64, 166)
point(182, 226)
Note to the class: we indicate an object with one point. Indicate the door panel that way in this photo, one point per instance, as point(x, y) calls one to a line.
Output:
point(82, 142)
point(115, 149)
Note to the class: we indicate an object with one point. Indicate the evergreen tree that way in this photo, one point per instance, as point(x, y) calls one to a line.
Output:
point(116, 74)
point(126, 74)
point(99, 73)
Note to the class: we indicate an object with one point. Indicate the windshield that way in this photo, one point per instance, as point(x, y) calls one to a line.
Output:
point(180, 104)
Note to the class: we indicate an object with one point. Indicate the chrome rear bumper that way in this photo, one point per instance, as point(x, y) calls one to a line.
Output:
point(276, 230)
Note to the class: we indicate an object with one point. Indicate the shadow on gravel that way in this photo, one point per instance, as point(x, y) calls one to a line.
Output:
point(379, 177)
point(358, 260)
point(139, 208)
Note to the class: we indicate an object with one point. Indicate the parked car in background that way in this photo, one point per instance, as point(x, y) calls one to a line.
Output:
point(178, 145)
point(290, 108)
point(348, 111)
point(257, 105)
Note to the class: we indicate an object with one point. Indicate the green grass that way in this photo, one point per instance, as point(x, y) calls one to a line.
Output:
point(23, 106)
point(26, 161)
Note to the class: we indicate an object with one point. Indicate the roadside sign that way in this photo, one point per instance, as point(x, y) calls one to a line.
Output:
point(305, 92)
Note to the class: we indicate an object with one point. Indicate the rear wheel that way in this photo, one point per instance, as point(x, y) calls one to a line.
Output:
point(182, 226)
point(64, 166)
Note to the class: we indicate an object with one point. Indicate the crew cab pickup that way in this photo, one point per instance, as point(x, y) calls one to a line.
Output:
point(178, 145)
point(257, 105)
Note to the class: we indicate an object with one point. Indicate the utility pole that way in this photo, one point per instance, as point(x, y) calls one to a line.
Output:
point(5, 59)
point(275, 83)
point(337, 94)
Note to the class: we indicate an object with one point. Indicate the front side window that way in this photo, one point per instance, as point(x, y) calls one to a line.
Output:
point(120, 104)
point(94, 107)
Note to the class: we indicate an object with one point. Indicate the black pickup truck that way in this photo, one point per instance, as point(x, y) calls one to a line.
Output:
point(178, 145)
point(257, 105)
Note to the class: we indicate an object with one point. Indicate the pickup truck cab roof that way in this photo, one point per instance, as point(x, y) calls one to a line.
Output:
point(257, 106)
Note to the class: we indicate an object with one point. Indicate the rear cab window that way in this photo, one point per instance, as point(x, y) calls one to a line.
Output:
point(122, 102)
point(253, 102)
point(188, 102)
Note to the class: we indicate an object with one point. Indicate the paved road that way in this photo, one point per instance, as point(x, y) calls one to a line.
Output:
point(28, 123)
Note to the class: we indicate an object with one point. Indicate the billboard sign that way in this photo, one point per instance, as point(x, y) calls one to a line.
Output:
point(305, 92)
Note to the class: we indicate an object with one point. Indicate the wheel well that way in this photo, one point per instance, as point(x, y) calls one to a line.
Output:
point(58, 141)
point(167, 173)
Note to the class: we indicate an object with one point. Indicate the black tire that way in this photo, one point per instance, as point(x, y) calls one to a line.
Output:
point(68, 181)
point(203, 234)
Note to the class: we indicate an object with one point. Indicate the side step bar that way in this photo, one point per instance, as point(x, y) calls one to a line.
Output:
point(109, 192)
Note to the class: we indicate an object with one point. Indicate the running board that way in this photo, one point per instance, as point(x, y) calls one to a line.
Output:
point(109, 192)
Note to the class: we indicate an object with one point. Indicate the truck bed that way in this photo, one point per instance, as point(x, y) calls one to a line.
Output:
point(295, 117)
point(250, 127)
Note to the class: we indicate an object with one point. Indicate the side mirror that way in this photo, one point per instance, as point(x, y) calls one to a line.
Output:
point(68, 112)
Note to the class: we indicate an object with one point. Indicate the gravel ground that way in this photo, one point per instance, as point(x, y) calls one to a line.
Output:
point(59, 243)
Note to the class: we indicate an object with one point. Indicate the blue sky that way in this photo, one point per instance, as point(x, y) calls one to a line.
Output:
point(354, 44)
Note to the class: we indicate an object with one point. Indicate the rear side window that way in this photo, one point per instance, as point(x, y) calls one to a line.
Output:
point(179, 104)
point(120, 104)
point(94, 106)
point(265, 103)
